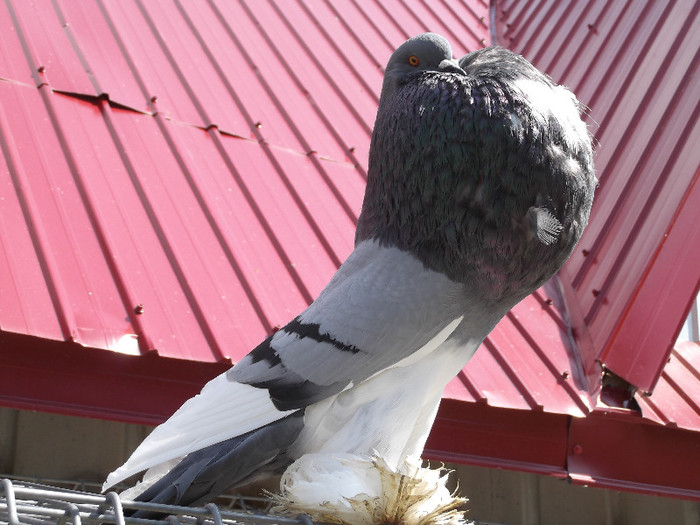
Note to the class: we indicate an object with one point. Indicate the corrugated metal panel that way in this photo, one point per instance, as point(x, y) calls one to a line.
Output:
point(184, 177)
point(527, 363)
point(635, 66)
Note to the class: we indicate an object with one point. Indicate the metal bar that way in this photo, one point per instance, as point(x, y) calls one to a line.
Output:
point(33, 504)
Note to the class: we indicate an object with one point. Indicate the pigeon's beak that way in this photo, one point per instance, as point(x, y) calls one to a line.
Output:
point(451, 65)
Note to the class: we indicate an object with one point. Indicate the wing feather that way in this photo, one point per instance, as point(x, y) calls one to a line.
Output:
point(382, 305)
point(222, 410)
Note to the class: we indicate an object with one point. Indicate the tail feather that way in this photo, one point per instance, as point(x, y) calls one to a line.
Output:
point(223, 410)
point(206, 473)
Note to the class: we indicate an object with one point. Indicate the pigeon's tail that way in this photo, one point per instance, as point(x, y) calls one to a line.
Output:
point(204, 474)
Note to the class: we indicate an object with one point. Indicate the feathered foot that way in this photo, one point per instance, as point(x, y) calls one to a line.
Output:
point(353, 490)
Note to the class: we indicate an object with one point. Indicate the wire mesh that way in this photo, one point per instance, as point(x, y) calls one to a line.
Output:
point(27, 503)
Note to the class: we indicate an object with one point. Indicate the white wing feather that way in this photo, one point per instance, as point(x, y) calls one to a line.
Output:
point(222, 410)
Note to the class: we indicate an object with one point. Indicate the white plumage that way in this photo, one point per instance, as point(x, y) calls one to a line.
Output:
point(357, 490)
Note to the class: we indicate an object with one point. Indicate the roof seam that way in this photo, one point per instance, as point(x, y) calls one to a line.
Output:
point(566, 385)
point(36, 235)
point(264, 223)
point(525, 50)
point(451, 35)
point(595, 247)
point(346, 61)
point(681, 393)
point(216, 229)
point(505, 366)
point(127, 57)
point(161, 235)
point(173, 63)
point(370, 56)
point(653, 194)
point(349, 151)
point(76, 48)
point(617, 59)
point(682, 360)
point(391, 17)
point(336, 89)
point(263, 143)
point(560, 24)
point(560, 52)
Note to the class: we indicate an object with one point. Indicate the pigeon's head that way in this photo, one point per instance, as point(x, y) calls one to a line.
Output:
point(486, 176)
point(425, 52)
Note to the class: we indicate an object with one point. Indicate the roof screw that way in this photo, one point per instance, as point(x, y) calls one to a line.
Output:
point(565, 375)
point(483, 42)
point(585, 253)
point(41, 69)
point(311, 152)
point(138, 309)
point(276, 328)
point(154, 99)
point(549, 301)
point(592, 28)
point(258, 124)
point(578, 450)
point(352, 149)
point(595, 292)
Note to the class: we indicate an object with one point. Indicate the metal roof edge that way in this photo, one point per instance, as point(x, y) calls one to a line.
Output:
point(668, 284)
point(144, 389)
point(579, 335)
point(606, 449)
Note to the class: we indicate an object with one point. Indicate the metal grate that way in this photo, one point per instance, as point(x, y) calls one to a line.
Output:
point(27, 503)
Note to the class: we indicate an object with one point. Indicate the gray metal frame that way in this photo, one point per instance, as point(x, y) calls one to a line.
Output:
point(25, 503)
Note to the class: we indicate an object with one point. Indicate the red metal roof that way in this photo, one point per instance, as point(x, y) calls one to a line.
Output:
point(635, 67)
point(177, 180)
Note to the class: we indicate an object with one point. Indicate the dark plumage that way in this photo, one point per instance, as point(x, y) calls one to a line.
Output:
point(495, 190)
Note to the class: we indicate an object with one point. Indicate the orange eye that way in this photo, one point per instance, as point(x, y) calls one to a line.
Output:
point(413, 60)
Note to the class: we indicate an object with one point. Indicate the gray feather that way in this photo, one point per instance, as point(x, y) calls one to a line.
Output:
point(214, 469)
point(364, 321)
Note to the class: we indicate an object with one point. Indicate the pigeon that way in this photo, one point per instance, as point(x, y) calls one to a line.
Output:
point(480, 183)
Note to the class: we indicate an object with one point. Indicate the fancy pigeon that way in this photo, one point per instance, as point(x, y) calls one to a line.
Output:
point(480, 183)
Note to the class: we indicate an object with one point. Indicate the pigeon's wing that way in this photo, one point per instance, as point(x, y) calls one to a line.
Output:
point(223, 409)
point(380, 307)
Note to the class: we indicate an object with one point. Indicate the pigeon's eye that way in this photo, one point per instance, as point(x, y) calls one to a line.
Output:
point(413, 60)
